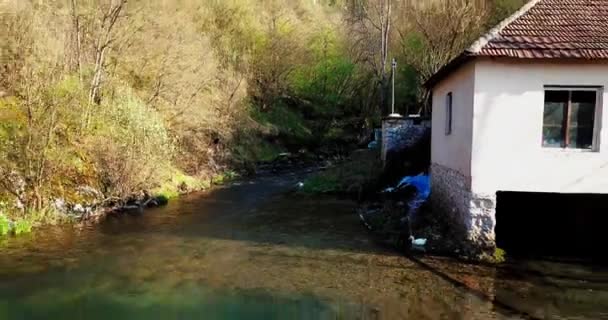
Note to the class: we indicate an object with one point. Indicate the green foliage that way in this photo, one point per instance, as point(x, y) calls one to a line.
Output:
point(249, 149)
point(22, 226)
point(224, 177)
point(354, 176)
point(178, 184)
point(5, 225)
point(286, 122)
point(129, 144)
point(323, 82)
point(323, 183)
point(189, 90)
point(499, 255)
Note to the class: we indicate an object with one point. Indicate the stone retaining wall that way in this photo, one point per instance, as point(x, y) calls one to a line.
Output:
point(471, 217)
point(399, 133)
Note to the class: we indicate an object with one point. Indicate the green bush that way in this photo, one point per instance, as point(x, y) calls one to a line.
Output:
point(130, 146)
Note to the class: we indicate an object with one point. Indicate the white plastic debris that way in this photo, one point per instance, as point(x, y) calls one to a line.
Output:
point(420, 242)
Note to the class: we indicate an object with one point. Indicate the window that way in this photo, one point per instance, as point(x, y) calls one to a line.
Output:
point(448, 114)
point(569, 118)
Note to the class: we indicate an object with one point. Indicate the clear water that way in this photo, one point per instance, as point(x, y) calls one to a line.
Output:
point(253, 250)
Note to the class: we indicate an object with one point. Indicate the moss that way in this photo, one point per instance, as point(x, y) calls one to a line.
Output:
point(218, 179)
point(499, 255)
point(496, 257)
point(178, 184)
point(224, 177)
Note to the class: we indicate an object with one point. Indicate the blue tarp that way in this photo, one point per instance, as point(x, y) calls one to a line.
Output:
point(421, 182)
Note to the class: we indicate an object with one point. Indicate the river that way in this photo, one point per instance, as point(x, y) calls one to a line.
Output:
point(255, 250)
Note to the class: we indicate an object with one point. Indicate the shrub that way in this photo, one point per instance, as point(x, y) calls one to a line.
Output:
point(129, 145)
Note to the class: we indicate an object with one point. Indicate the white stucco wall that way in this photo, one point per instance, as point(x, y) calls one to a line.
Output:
point(507, 152)
point(454, 150)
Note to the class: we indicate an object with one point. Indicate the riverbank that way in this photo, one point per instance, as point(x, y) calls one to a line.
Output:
point(97, 209)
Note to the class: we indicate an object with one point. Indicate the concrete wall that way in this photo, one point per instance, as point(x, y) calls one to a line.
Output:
point(470, 216)
point(507, 152)
point(454, 151)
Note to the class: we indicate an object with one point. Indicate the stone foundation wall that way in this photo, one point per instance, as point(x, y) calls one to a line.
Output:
point(471, 217)
point(399, 133)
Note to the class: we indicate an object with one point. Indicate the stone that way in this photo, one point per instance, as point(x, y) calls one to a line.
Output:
point(399, 133)
point(471, 217)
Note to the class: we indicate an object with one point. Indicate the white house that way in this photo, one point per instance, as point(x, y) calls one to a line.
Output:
point(523, 109)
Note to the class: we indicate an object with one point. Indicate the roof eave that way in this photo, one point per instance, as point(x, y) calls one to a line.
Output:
point(452, 66)
point(475, 49)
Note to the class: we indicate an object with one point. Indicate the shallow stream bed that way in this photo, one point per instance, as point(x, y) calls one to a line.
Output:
point(256, 250)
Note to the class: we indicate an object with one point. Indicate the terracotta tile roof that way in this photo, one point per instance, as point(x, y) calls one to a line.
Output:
point(542, 29)
point(550, 29)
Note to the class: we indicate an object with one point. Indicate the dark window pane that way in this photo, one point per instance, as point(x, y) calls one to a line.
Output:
point(582, 115)
point(448, 114)
point(553, 137)
point(556, 103)
point(580, 138)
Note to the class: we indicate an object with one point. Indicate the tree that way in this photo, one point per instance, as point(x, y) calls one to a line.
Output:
point(104, 40)
point(275, 56)
point(436, 33)
point(371, 24)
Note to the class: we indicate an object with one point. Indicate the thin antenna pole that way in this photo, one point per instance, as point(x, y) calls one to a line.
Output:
point(393, 97)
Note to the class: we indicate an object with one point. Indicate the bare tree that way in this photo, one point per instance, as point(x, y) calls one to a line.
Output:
point(103, 44)
point(78, 37)
point(103, 41)
point(371, 23)
point(274, 61)
point(436, 33)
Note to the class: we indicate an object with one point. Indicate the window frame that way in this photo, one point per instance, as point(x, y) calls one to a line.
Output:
point(596, 120)
point(449, 103)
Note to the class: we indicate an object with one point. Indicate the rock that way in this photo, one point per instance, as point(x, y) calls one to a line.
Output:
point(89, 191)
point(60, 205)
point(19, 205)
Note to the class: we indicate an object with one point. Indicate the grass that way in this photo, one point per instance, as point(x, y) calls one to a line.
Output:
point(323, 183)
point(15, 227)
point(22, 226)
point(5, 225)
point(179, 184)
point(355, 175)
point(224, 177)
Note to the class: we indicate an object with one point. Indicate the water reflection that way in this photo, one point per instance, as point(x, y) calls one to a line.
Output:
point(253, 251)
